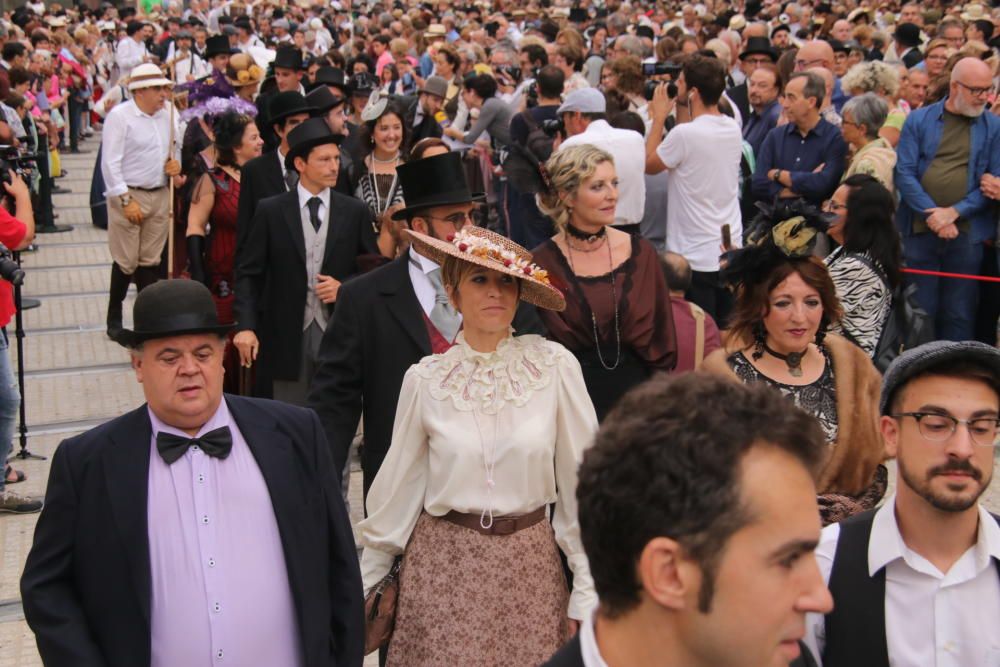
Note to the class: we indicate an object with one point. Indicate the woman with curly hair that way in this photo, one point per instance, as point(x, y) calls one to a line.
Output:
point(883, 80)
point(786, 303)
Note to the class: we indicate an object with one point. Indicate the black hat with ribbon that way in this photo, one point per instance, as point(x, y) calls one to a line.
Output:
point(434, 181)
point(331, 76)
point(172, 308)
point(218, 45)
point(286, 103)
point(306, 136)
point(322, 100)
point(287, 57)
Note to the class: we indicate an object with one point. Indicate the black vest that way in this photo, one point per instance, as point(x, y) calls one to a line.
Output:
point(855, 629)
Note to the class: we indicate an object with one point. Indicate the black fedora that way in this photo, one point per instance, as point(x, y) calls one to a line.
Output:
point(172, 308)
point(288, 57)
point(323, 100)
point(306, 136)
point(759, 46)
point(434, 181)
point(330, 76)
point(285, 104)
point(218, 45)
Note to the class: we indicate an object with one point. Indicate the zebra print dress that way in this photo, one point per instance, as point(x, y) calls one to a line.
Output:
point(864, 295)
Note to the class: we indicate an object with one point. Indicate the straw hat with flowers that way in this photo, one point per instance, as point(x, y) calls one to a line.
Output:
point(243, 71)
point(490, 250)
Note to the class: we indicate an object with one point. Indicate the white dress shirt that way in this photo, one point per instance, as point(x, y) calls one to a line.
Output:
point(628, 149)
point(420, 267)
point(134, 148)
point(129, 54)
point(932, 618)
point(192, 65)
point(589, 650)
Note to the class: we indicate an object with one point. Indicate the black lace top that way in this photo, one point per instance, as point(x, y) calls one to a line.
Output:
point(818, 398)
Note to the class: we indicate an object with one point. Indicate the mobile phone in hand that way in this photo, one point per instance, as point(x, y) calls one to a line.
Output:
point(727, 238)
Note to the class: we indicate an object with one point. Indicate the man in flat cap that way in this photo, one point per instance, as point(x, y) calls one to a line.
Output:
point(917, 581)
point(199, 529)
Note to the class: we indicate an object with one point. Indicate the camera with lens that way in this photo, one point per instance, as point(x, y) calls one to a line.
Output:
point(9, 270)
point(12, 159)
point(650, 87)
point(508, 74)
point(553, 126)
point(668, 68)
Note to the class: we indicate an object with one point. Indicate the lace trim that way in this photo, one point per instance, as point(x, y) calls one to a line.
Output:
point(472, 380)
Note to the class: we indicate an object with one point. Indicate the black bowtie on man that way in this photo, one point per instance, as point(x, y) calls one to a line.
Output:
point(387, 320)
point(302, 245)
point(199, 529)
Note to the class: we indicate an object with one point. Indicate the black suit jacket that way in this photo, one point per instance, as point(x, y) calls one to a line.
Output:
point(571, 655)
point(87, 584)
point(271, 272)
point(376, 334)
point(260, 178)
point(740, 96)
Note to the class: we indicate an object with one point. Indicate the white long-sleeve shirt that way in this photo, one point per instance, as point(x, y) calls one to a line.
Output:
point(135, 148)
point(129, 54)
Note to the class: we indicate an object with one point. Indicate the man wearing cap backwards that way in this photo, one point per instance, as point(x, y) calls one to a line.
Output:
point(917, 582)
point(301, 246)
point(199, 529)
point(136, 161)
point(389, 319)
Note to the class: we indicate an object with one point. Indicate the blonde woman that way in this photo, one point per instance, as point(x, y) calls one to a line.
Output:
point(617, 320)
point(883, 80)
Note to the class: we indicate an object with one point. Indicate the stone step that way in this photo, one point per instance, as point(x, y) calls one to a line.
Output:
point(73, 312)
point(91, 280)
point(70, 351)
point(64, 399)
point(65, 255)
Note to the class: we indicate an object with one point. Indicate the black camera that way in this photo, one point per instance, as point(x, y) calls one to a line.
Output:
point(553, 126)
point(510, 72)
point(671, 69)
point(9, 270)
point(650, 87)
point(12, 159)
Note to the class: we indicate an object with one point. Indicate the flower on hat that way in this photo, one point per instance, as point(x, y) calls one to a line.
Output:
point(255, 71)
point(794, 237)
point(243, 76)
point(477, 246)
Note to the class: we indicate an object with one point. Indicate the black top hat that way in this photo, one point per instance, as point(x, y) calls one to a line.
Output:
point(908, 34)
point(288, 57)
point(759, 45)
point(306, 136)
point(322, 100)
point(331, 76)
point(172, 308)
point(285, 104)
point(837, 45)
point(362, 83)
point(434, 181)
point(243, 22)
point(217, 45)
point(781, 27)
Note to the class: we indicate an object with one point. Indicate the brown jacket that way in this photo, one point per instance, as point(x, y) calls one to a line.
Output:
point(859, 448)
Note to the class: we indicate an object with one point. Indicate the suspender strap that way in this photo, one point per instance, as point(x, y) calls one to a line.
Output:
point(855, 629)
point(699, 334)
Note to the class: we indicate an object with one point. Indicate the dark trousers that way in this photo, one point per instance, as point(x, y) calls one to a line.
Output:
point(708, 292)
point(950, 301)
point(76, 109)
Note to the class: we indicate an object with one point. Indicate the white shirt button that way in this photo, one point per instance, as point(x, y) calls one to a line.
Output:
point(211, 562)
point(217, 607)
point(201, 478)
point(204, 519)
point(218, 655)
point(194, 448)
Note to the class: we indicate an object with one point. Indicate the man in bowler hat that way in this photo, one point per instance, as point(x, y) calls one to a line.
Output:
point(301, 246)
point(390, 318)
point(200, 528)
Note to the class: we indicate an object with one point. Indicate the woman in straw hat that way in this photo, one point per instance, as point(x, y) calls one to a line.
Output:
point(487, 436)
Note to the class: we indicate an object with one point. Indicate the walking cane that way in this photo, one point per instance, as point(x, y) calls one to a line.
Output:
point(170, 205)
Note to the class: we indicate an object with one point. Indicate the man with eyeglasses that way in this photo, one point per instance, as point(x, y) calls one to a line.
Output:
point(390, 318)
point(757, 53)
point(917, 582)
point(819, 53)
point(943, 152)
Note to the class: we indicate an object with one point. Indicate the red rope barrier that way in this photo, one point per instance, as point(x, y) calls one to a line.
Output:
point(941, 274)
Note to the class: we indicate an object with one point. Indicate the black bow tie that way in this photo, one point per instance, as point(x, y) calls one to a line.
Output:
point(215, 443)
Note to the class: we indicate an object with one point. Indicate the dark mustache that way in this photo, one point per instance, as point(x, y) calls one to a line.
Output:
point(956, 466)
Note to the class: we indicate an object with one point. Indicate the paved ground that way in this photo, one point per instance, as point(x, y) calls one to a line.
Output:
point(77, 378)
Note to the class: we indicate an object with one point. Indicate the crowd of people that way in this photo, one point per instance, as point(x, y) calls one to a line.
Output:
point(618, 304)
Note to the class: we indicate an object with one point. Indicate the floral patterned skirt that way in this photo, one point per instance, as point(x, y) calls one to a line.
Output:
point(471, 599)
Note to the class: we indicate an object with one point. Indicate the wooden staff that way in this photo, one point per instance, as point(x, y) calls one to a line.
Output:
point(170, 205)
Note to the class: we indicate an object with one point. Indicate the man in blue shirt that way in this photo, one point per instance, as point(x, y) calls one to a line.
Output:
point(763, 90)
point(943, 152)
point(805, 157)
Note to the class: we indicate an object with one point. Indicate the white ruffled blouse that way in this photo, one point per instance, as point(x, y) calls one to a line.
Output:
point(528, 397)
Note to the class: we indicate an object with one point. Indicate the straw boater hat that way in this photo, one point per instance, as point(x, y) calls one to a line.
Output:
point(243, 71)
point(498, 253)
point(974, 12)
point(147, 75)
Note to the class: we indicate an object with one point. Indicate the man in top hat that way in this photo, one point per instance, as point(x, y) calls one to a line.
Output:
point(137, 158)
point(199, 529)
point(332, 107)
point(390, 318)
point(757, 53)
point(217, 53)
point(288, 71)
point(301, 246)
point(917, 581)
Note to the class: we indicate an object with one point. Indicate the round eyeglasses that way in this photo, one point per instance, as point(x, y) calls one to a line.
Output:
point(937, 427)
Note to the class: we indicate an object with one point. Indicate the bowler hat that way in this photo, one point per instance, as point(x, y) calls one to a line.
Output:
point(759, 45)
point(306, 136)
point(285, 104)
point(331, 76)
point(322, 100)
point(217, 45)
point(435, 85)
point(172, 308)
point(434, 181)
point(288, 57)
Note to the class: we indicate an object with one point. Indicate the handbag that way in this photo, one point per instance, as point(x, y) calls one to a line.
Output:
point(380, 609)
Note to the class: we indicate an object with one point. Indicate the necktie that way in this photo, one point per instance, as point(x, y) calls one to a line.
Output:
point(217, 443)
point(291, 179)
point(443, 314)
point(314, 204)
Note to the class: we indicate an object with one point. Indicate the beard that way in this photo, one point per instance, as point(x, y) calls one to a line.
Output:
point(968, 110)
point(957, 500)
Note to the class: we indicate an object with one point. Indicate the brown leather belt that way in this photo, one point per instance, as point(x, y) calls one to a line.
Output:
point(136, 187)
point(502, 525)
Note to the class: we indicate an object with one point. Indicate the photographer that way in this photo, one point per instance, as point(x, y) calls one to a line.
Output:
point(16, 232)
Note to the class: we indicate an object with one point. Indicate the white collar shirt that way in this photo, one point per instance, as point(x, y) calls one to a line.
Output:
point(324, 208)
point(420, 267)
point(134, 148)
point(932, 619)
point(589, 650)
point(129, 54)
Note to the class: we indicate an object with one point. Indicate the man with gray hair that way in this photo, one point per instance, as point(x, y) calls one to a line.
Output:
point(805, 157)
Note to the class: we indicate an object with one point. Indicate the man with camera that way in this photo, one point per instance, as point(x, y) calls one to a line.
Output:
point(16, 232)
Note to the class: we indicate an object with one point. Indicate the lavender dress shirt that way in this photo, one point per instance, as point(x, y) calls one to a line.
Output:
point(220, 592)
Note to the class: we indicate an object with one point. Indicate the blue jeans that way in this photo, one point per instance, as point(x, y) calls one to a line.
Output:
point(10, 403)
point(950, 301)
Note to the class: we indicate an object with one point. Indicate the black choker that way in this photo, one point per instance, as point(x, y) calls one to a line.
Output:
point(586, 236)
point(792, 359)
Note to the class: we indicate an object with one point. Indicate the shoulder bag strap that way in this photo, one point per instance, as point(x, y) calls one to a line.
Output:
point(699, 333)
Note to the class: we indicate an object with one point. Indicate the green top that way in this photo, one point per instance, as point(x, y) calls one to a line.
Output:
point(895, 120)
point(947, 176)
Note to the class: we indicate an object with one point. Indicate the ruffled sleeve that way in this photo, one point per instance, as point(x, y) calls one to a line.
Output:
point(576, 425)
point(396, 497)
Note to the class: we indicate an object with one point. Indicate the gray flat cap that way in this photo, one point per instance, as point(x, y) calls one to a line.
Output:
point(938, 354)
